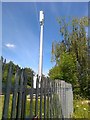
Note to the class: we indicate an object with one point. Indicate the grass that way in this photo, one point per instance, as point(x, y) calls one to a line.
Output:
point(27, 106)
point(81, 109)
point(1, 106)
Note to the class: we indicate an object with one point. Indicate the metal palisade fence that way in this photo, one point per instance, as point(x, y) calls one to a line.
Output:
point(53, 99)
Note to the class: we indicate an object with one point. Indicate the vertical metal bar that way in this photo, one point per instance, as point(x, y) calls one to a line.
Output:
point(58, 100)
point(41, 93)
point(24, 96)
point(51, 99)
point(54, 101)
point(59, 93)
point(57, 104)
point(1, 64)
point(62, 101)
point(36, 102)
point(19, 102)
point(48, 101)
point(7, 93)
point(13, 110)
point(45, 99)
point(65, 98)
point(31, 98)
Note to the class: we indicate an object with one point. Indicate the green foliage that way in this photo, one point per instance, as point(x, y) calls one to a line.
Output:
point(65, 70)
point(70, 54)
point(6, 70)
point(55, 73)
point(68, 68)
point(28, 72)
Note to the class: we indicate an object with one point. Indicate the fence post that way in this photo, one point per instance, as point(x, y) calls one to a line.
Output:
point(24, 95)
point(48, 98)
point(45, 99)
point(7, 93)
point(36, 102)
point(51, 99)
point(13, 110)
point(59, 93)
point(41, 93)
point(3, 64)
point(31, 97)
point(19, 102)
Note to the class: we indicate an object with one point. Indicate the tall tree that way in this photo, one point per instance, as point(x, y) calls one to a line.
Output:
point(73, 47)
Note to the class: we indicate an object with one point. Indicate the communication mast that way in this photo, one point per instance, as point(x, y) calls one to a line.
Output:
point(41, 45)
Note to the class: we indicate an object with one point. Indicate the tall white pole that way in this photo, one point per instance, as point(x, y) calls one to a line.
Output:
point(41, 45)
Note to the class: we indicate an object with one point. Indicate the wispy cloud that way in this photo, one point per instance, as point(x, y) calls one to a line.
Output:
point(9, 45)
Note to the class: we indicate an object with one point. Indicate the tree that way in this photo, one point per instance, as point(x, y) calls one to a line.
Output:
point(28, 72)
point(70, 54)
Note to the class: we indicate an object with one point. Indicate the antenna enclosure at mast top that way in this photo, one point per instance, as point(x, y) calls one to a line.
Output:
point(41, 17)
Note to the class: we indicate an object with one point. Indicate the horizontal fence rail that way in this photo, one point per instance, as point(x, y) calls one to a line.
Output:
point(49, 99)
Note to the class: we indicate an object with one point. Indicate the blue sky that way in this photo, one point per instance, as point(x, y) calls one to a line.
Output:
point(20, 30)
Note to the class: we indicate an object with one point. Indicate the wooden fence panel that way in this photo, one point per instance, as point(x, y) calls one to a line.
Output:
point(3, 64)
point(41, 95)
point(44, 99)
point(16, 83)
point(19, 102)
point(52, 92)
point(57, 100)
point(7, 93)
point(51, 99)
point(36, 102)
point(48, 98)
point(24, 95)
point(59, 106)
point(31, 98)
